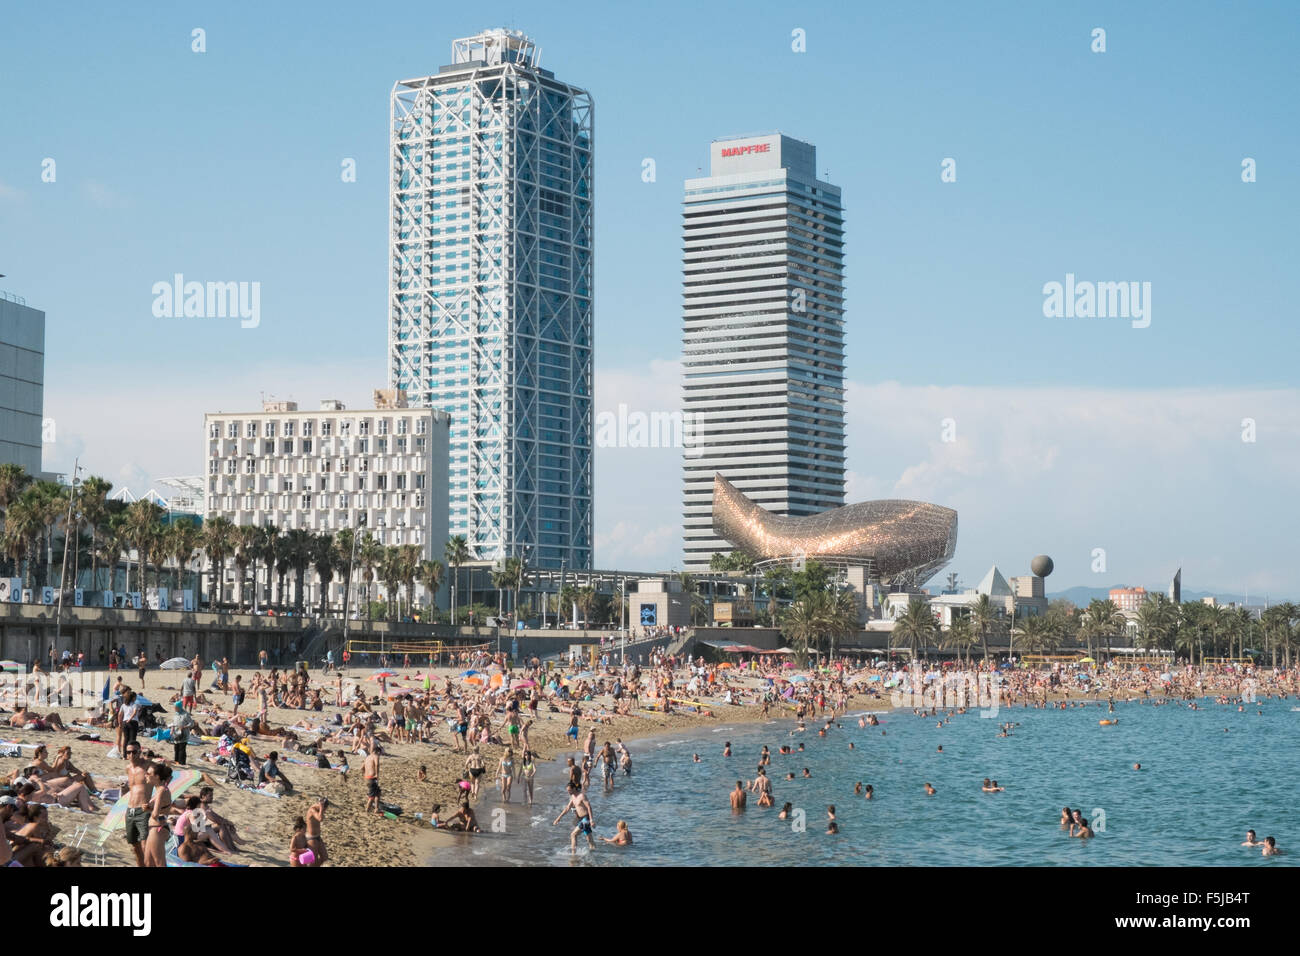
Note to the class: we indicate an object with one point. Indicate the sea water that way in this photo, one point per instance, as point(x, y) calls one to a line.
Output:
point(1207, 776)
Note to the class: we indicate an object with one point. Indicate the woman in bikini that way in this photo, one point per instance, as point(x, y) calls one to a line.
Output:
point(506, 774)
point(474, 765)
point(155, 848)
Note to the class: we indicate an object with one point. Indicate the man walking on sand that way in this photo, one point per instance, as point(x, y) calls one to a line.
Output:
point(371, 770)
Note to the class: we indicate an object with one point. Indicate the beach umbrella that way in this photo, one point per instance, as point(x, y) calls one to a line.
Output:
point(1087, 660)
point(404, 692)
point(469, 673)
point(873, 678)
point(519, 684)
point(174, 664)
point(800, 679)
point(12, 666)
point(474, 680)
point(381, 675)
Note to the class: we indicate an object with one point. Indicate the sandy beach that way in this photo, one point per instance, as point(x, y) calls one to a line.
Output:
point(353, 836)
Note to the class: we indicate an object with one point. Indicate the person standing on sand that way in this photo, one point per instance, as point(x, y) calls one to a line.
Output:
point(474, 765)
point(371, 770)
point(315, 816)
point(140, 790)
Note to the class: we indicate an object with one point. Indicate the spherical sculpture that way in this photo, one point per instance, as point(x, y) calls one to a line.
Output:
point(1041, 565)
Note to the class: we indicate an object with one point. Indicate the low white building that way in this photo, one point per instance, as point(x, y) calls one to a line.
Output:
point(383, 468)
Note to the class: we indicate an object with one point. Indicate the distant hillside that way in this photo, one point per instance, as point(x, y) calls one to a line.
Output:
point(1080, 596)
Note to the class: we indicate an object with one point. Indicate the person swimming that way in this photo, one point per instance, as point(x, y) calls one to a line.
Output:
point(868, 792)
point(1250, 839)
point(929, 790)
point(1270, 847)
point(831, 825)
point(785, 812)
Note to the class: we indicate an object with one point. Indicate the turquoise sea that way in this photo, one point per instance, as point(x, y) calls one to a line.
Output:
point(1207, 776)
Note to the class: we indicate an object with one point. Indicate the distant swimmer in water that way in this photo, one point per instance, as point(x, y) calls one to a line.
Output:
point(868, 792)
point(1066, 817)
point(930, 791)
point(726, 750)
point(862, 722)
point(1137, 766)
point(1270, 847)
point(807, 775)
point(1250, 839)
point(623, 836)
point(831, 825)
point(790, 775)
point(697, 758)
point(940, 750)
point(851, 745)
point(857, 789)
point(1085, 831)
point(991, 786)
point(738, 797)
point(785, 812)
point(801, 748)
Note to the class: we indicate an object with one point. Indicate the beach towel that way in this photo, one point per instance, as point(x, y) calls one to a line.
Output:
point(251, 789)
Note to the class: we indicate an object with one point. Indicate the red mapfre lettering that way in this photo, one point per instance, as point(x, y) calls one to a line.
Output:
point(742, 150)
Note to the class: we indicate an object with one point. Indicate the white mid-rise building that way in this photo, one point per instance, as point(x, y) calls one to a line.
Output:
point(763, 350)
point(384, 469)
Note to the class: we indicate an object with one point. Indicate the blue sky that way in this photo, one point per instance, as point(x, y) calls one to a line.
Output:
point(1115, 166)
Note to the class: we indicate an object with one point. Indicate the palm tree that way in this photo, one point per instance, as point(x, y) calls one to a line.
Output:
point(22, 530)
point(247, 539)
point(1158, 622)
point(1101, 620)
point(960, 635)
point(457, 553)
point(13, 479)
point(586, 601)
point(408, 562)
point(112, 545)
point(324, 559)
point(391, 573)
point(94, 512)
point(915, 627)
point(182, 542)
point(801, 625)
point(1038, 634)
point(567, 597)
point(282, 557)
point(217, 540)
point(50, 500)
point(265, 551)
point(370, 554)
point(298, 545)
point(143, 521)
point(430, 574)
point(985, 619)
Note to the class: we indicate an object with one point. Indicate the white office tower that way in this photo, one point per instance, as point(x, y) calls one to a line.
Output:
point(763, 340)
point(490, 291)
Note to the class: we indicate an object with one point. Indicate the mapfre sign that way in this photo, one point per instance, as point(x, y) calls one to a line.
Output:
point(746, 150)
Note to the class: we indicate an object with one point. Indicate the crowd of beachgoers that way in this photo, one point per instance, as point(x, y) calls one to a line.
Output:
point(372, 760)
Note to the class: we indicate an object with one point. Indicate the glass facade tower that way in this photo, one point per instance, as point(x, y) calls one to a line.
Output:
point(490, 291)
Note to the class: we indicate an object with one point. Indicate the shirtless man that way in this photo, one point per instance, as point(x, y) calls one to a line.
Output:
point(582, 811)
point(139, 794)
point(738, 797)
point(315, 815)
point(371, 770)
point(1270, 847)
point(1250, 839)
point(763, 787)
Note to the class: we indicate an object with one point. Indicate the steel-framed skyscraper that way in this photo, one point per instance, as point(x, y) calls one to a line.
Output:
point(490, 291)
point(763, 339)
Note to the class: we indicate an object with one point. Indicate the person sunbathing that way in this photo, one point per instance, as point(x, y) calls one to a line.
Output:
point(73, 794)
point(30, 720)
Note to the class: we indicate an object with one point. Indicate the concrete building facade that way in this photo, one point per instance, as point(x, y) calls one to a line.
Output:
point(22, 383)
point(383, 469)
point(763, 337)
